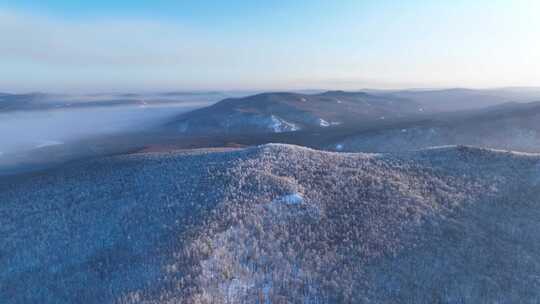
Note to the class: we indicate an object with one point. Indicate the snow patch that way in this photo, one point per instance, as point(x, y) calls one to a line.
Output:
point(47, 143)
point(323, 123)
point(440, 147)
point(279, 125)
point(290, 199)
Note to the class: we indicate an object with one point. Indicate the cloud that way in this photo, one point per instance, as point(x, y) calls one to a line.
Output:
point(441, 45)
point(39, 52)
point(44, 40)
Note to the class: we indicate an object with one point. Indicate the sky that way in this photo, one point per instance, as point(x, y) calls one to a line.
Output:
point(75, 45)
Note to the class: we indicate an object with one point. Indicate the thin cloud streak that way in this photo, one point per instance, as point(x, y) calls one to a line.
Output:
point(106, 42)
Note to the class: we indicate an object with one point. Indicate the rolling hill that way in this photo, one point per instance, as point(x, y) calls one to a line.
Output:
point(275, 224)
point(511, 126)
point(459, 99)
point(286, 112)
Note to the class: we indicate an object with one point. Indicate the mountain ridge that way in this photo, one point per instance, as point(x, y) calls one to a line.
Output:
point(510, 126)
point(286, 112)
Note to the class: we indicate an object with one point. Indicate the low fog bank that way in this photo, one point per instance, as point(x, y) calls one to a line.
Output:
point(38, 101)
point(28, 137)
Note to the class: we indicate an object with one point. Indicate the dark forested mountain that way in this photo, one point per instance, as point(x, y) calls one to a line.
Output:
point(284, 112)
point(512, 126)
point(275, 224)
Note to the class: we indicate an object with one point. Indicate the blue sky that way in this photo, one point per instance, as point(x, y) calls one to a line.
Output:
point(61, 45)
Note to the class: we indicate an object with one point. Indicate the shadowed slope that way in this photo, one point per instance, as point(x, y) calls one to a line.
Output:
point(509, 126)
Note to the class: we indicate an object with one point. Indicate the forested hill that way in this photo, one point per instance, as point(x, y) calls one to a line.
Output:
point(274, 224)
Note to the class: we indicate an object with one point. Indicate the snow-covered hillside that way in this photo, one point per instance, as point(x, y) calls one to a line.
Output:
point(275, 224)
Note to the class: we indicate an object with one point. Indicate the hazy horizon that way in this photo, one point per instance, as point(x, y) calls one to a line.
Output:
point(85, 94)
point(61, 46)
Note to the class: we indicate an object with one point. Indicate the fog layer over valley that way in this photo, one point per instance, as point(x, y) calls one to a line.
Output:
point(46, 101)
point(26, 137)
point(41, 129)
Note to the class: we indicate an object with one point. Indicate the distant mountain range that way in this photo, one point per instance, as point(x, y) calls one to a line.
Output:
point(457, 99)
point(287, 112)
point(512, 126)
point(368, 103)
point(447, 100)
point(275, 224)
point(44, 101)
point(378, 121)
